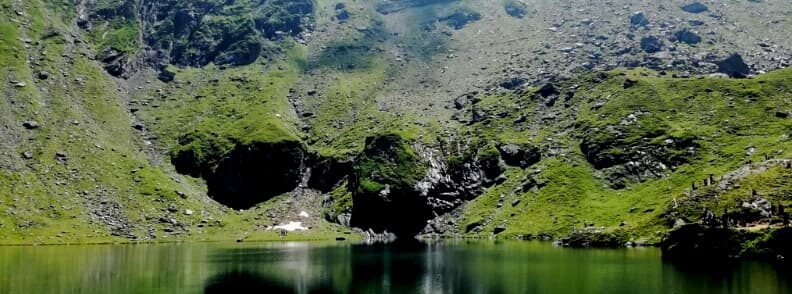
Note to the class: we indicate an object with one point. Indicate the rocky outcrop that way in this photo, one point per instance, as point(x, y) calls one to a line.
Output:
point(253, 173)
point(398, 188)
point(383, 184)
point(522, 156)
point(651, 44)
point(696, 241)
point(328, 173)
point(192, 33)
point(248, 174)
point(700, 242)
point(195, 34)
point(611, 149)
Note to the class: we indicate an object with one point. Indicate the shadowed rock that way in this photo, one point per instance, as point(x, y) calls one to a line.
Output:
point(696, 7)
point(734, 66)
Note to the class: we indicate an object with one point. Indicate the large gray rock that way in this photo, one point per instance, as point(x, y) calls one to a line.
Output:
point(687, 37)
point(521, 156)
point(734, 66)
point(639, 19)
point(695, 7)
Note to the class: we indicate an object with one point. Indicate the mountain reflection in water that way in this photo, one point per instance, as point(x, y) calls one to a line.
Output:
point(449, 267)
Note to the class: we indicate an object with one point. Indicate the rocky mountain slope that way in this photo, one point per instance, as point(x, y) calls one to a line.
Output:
point(212, 120)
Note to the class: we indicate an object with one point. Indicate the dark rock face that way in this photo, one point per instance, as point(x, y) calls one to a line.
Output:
point(470, 174)
point(696, 7)
point(512, 84)
point(687, 37)
point(548, 90)
point(398, 188)
point(775, 245)
point(522, 156)
point(114, 62)
point(734, 66)
point(515, 9)
point(248, 174)
point(327, 173)
point(651, 44)
point(254, 173)
point(696, 242)
point(461, 18)
point(383, 184)
point(639, 19)
point(166, 75)
point(342, 15)
point(194, 33)
point(611, 150)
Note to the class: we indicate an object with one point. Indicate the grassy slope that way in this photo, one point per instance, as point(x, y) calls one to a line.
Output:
point(576, 193)
point(107, 174)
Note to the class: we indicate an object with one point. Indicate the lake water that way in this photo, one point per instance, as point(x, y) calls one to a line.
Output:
point(455, 267)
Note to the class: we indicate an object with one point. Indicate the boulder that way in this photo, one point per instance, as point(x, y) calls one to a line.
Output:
point(639, 19)
point(734, 66)
point(521, 156)
point(31, 125)
point(687, 37)
point(166, 76)
point(651, 44)
point(548, 90)
point(695, 7)
point(341, 13)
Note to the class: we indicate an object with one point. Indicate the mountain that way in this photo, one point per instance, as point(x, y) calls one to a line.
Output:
point(139, 120)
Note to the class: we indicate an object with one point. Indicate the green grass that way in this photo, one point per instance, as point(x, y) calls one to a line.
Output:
point(697, 109)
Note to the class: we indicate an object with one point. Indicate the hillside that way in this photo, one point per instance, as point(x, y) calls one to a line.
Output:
point(141, 120)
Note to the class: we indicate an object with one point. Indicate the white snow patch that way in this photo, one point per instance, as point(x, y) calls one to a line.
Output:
point(304, 214)
point(291, 227)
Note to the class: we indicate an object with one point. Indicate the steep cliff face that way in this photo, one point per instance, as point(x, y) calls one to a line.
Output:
point(188, 33)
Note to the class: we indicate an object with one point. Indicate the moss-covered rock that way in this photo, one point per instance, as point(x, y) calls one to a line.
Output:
point(773, 245)
point(383, 183)
point(696, 242)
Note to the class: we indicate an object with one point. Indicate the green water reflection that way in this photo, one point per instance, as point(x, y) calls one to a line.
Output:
point(459, 267)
